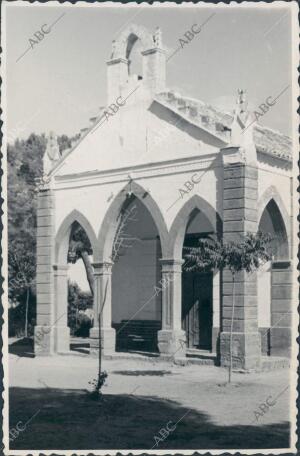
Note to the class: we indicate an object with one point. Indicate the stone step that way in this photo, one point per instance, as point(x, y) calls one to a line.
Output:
point(200, 354)
point(152, 357)
point(137, 334)
point(141, 323)
point(182, 361)
point(269, 363)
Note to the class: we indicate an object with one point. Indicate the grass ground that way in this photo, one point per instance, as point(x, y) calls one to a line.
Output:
point(140, 400)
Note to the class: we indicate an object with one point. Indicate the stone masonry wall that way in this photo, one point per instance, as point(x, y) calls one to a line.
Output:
point(44, 273)
point(240, 217)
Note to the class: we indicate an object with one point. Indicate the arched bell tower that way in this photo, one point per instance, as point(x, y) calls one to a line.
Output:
point(119, 76)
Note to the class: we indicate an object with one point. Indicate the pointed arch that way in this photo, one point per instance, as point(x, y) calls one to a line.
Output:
point(63, 234)
point(178, 228)
point(272, 193)
point(126, 40)
point(271, 198)
point(109, 224)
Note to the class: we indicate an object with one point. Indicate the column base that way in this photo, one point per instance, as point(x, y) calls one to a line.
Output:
point(61, 338)
point(215, 340)
point(49, 340)
point(172, 343)
point(280, 341)
point(108, 340)
point(246, 350)
point(43, 340)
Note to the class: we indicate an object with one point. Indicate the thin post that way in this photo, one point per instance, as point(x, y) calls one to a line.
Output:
point(231, 326)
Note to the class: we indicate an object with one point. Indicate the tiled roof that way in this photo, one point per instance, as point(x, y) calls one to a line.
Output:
point(272, 142)
point(267, 141)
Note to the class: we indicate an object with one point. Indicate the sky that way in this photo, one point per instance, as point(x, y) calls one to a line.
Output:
point(60, 82)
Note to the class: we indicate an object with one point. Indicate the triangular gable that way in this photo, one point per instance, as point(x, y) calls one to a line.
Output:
point(140, 133)
point(148, 131)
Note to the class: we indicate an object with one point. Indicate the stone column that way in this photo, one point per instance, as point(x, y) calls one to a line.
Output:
point(60, 329)
point(154, 69)
point(117, 75)
point(102, 305)
point(239, 217)
point(281, 308)
point(171, 338)
point(43, 334)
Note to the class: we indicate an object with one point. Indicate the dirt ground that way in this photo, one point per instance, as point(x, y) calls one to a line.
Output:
point(145, 405)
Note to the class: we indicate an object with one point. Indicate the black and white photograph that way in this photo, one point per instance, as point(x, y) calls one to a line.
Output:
point(150, 227)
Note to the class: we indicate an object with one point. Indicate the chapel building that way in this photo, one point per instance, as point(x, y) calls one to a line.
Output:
point(171, 170)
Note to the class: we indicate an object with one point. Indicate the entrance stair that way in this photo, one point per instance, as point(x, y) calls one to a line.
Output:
point(198, 357)
point(269, 363)
point(138, 335)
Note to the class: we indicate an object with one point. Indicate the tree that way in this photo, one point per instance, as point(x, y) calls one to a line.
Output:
point(121, 240)
point(21, 276)
point(78, 300)
point(249, 255)
point(101, 376)
point(80, 248)
point(25, 165)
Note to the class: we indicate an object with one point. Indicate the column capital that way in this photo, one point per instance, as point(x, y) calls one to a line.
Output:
point(116, 60)
point(104, 267)
point(171, 264)
point(60, 268)
point(154, 50)
point(233, 155)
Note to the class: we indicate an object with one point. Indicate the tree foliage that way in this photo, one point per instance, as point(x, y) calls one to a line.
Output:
point(247, 255)
point(21, 277)
point(25, 165)
point(21, 269)
point(206, 256)
point(25, 162)
point(78, 301)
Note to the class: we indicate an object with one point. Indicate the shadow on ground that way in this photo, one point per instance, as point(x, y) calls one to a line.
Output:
point(136, 373)
point(69, 419)
point(22, 348)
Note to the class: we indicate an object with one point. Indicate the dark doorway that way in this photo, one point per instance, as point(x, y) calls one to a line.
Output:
point(197, 287)
point(136, 308)
point(197, 309)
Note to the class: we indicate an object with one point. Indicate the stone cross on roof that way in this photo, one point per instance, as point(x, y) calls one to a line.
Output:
point(241, 101)
point(157, 37)
point(242, 129)
point(52, 154)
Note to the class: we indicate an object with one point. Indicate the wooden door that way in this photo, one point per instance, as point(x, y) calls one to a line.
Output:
point(197, 309)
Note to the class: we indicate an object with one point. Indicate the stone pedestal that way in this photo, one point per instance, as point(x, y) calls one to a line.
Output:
point(49, 340)
point(43, 340)
point(281, 308)
point(102, 310)
point(172, 342)
point(246, 350)
point(108, 340)
point(171, 338)
point(61, 336)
